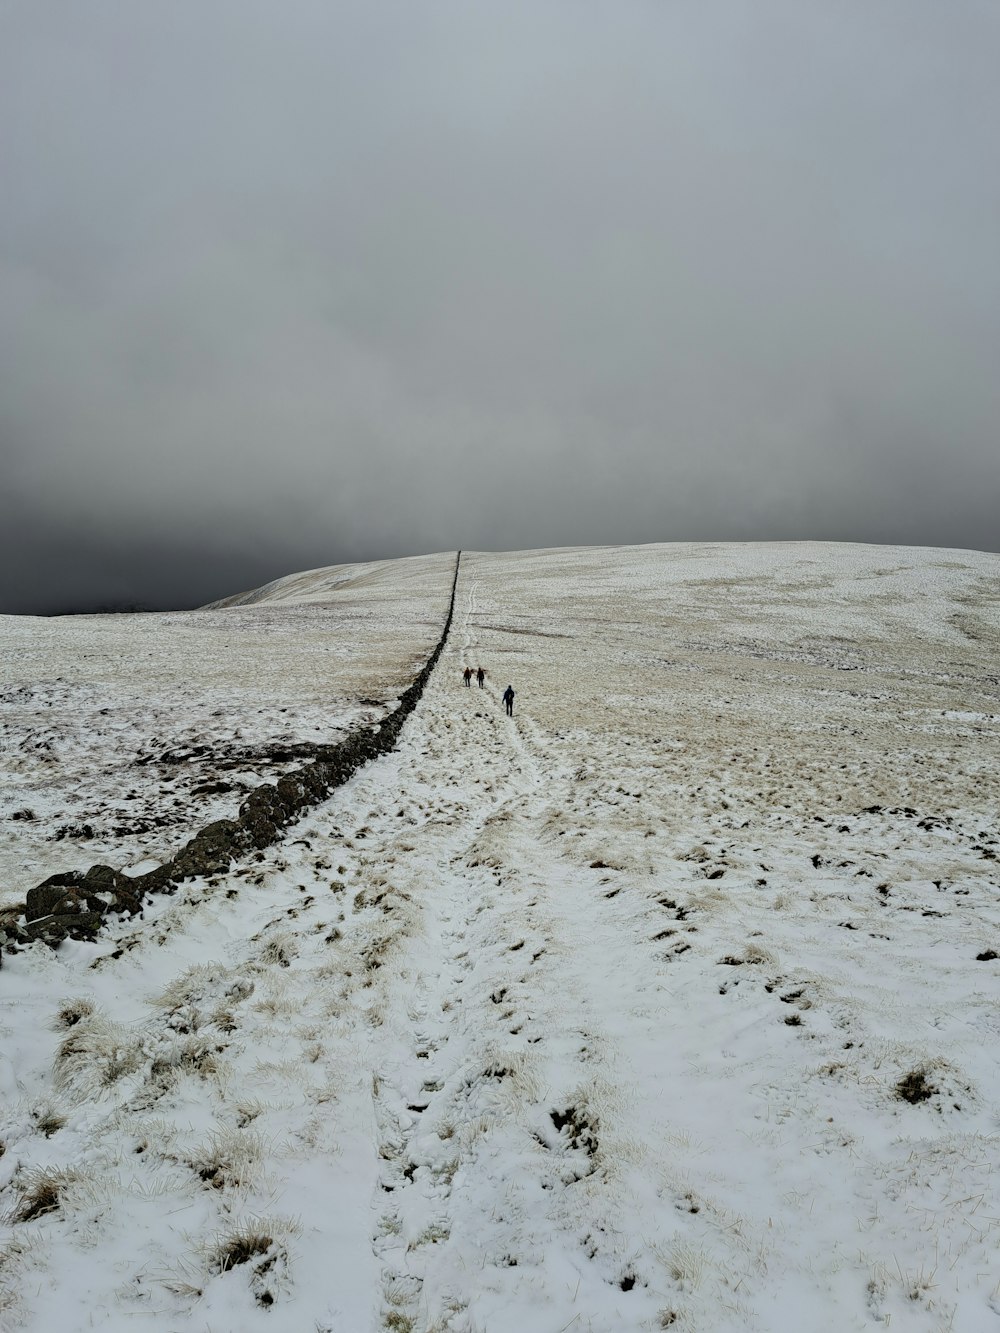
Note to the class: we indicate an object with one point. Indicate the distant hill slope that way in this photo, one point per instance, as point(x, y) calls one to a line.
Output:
point(401, 576)
point(121, 734)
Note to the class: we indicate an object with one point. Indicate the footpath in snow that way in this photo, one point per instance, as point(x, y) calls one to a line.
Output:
point(658, 1005)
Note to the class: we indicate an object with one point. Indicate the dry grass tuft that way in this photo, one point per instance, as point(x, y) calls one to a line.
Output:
point(191, 1056)
point(915, 1087)
point(95, 1055)
point(229, 1160)
point(240, 1247)
point(48, 1121)
point(71, 1012)
point(40, 1193)
point(259, 1244)
point(280, 950)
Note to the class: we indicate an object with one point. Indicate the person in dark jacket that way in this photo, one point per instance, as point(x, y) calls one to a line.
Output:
point(481, 677)
point(467, 677)
point(508, 700)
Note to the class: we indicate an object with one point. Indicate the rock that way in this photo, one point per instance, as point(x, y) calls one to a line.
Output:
point(261, 816)
point(76, 925)
point(211, 850)
point(65, 906)
point(292, 795)
point(119, 890)
point(12, 930)
point(60, 895)
point(153, 881)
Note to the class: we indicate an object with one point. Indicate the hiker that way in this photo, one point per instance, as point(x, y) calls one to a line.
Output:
point(508, 700)
point(480, 676)
point(467, 675)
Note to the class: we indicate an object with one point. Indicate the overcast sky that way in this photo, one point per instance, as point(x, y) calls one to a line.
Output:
point(292, 283)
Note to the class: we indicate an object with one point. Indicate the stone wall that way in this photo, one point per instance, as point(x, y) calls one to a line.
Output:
point(73, 904)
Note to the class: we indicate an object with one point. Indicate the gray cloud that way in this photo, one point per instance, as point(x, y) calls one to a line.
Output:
point(318, 282)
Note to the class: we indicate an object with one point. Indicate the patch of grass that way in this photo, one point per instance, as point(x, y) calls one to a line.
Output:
point(191, 1056)
point(48, 1121)
point(40, 1199)
point(435, 1234)
point(223, 1019)
point(257, 1244)
point(229, 1160)
point(914, 1087)
point(96, 1054)
point(686, 1265)
point(248, 1111)
point(281, 951)
point(241, 1246)
point(397, 1322)
point(72, 1011)
point(41, 1193)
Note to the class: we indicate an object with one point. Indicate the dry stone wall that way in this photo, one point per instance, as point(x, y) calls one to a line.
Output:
point(74, 904)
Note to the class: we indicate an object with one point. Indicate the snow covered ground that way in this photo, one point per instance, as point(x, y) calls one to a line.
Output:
point(658, 1005)
point(122, 734)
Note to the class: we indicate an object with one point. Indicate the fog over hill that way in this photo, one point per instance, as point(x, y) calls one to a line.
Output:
point(300, 284)
point(668, 1001)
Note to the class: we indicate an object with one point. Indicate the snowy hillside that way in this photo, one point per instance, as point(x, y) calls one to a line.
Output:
point(671, 1001)
point(121, 734)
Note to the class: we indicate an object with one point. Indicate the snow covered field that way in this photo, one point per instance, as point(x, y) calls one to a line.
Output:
point(659, 1005)
point(122, 734)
